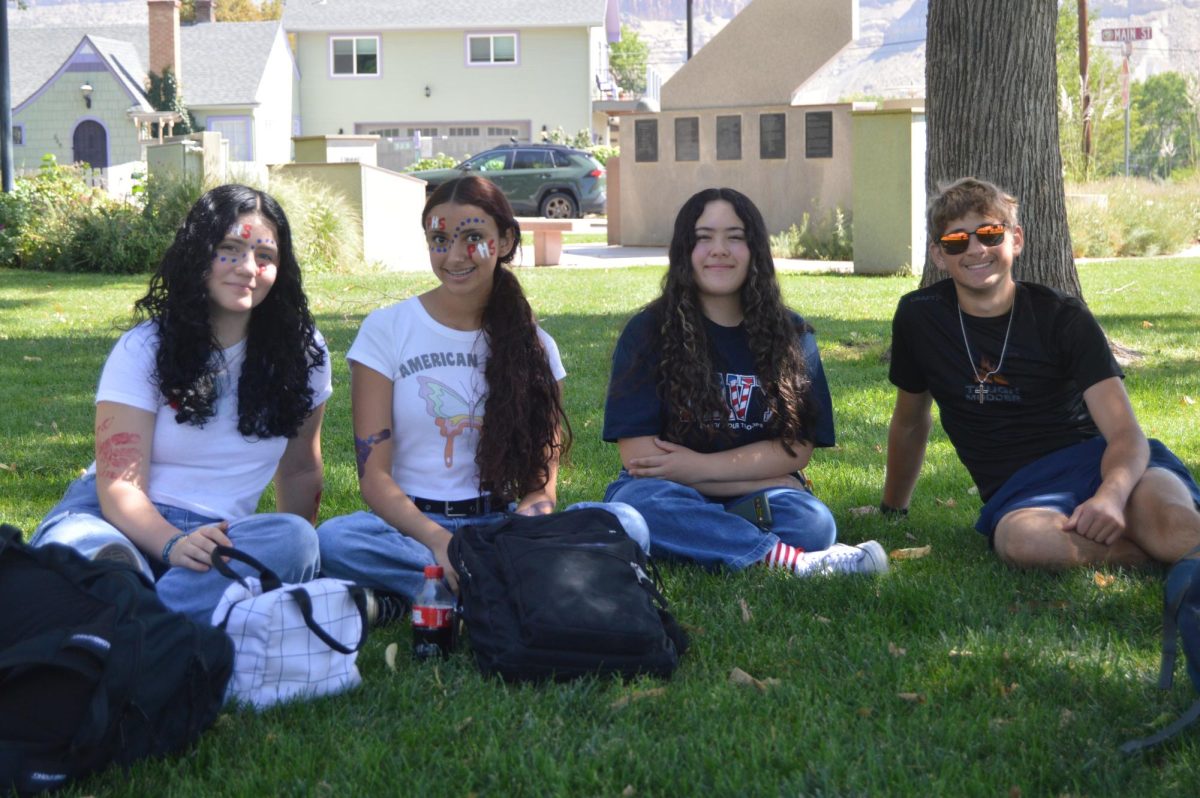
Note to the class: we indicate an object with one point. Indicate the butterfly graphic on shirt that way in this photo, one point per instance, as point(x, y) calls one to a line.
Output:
point(452, 413)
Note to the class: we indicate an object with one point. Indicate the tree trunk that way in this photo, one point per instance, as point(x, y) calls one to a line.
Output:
point(992, 113)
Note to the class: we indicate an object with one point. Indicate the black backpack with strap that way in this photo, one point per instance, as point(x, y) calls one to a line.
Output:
point(94, 669)
point(560, 596)
point(1181, 620)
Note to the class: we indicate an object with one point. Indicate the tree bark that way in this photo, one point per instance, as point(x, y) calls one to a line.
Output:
point(992, 113)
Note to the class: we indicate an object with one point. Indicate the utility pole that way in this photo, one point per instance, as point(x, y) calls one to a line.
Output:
point(1085, 91)
point(689, 30)
point(6, 145)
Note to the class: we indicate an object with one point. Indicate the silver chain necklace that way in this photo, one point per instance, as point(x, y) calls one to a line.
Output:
point(980, 388)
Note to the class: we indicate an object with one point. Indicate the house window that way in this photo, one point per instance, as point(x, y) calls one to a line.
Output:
point(645, 140)
point(818, 134)
point(504, 131)
point(235, 130)
point(427, 132)
point(492, 48)
point(18, 135)
point(687, 138)
point(772, 136)
point(358, 55)
point(729, 138)
point(464, 131)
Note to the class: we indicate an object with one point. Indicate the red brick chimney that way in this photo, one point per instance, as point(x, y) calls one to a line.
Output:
point(164, 36)
point(205, 11)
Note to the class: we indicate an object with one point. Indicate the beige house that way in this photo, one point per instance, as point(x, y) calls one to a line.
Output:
point(456, 76)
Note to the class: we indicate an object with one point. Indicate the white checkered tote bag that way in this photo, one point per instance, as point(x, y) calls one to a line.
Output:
point(291, 641)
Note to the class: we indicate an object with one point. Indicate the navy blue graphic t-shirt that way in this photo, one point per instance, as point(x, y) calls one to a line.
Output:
point(634, 408)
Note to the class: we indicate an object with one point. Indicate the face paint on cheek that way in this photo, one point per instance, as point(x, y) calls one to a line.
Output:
point(484, 249)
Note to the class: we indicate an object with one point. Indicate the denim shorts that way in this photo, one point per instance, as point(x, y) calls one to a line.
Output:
point(1065, 479)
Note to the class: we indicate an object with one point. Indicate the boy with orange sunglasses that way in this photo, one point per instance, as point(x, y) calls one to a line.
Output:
point(1032, 400)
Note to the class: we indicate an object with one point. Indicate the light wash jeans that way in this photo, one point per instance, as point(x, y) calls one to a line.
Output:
point(285, 543)
point(365, 549)
point(687, 525)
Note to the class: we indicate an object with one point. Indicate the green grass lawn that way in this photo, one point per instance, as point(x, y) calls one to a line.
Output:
point(953, 675)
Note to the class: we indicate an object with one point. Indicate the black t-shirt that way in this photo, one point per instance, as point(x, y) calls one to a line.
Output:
point(1033, 406)
point(634, 408)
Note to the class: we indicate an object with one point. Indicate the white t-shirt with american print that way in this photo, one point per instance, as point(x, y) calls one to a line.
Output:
point(438, 393)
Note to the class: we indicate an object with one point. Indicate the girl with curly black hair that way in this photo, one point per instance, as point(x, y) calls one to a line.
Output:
point(457, 404)
point(218, 389)
point(716, 401)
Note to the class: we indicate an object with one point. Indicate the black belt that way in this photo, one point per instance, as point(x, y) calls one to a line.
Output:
point(480, 505)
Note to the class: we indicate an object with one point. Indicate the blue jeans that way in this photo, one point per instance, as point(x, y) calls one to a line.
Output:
point(687, 525)
point(365, 549)
point(285, 543)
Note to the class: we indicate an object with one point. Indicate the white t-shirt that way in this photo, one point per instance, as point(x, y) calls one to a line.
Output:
point(212, 470)
point(438, 392)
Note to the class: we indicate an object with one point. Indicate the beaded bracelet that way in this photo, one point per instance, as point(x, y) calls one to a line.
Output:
point(166, 552)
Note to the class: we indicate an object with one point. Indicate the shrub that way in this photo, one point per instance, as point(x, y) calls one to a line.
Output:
point(830, 237)
point(439, 161)
point(326, 229)
point(116, 239)
point(42, 213)
point(602, 152)
point(1133, 217)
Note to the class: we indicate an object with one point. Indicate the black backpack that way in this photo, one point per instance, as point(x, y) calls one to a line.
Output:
point(94, 669)
point(560, 596)
point(1181, 618)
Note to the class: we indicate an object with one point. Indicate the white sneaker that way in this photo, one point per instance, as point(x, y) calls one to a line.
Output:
point(865, 558)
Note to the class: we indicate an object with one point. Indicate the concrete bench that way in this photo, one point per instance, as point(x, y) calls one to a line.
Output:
point(547, 238)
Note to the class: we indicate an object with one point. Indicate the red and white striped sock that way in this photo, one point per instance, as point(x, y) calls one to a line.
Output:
point(782, 556)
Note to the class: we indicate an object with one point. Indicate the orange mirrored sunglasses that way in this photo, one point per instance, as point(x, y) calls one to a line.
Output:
point(955, 242)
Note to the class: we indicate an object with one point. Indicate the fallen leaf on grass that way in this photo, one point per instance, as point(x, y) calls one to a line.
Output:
point(946, 502)
point(909, 536)
point(1146, 325)
point(467, 721)
point(1014, 792)
point(1005, 690)
point(1187, 401)
point(910, 554)
point(31, 358)
point(955, 652)
point(739, 676)
point(822, 619)
point(746, 616)
point(637, 695)
point(7, 467)
point(1065, 717)
point(912, 698)
point(878, 449)
point(864, 712)
point(628, 792)
point(1103, 580)
point(895, 650)
point(389, 655)
point(973, 490)
point(869, 509)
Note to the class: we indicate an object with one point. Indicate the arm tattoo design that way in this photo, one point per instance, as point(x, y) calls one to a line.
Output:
point(118, 455)
point(364, 446)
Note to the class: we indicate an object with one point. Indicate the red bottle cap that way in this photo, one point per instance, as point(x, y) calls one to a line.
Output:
point(434, 572)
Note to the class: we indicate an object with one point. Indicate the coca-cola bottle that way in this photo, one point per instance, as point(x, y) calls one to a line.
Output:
point(433, 617)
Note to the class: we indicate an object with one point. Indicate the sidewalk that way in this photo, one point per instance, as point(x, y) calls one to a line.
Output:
point(604, 256)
